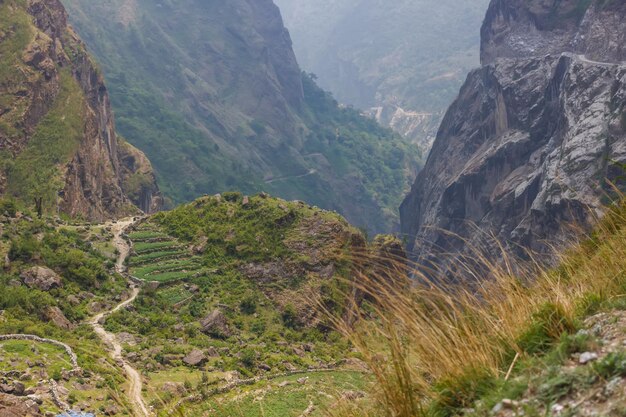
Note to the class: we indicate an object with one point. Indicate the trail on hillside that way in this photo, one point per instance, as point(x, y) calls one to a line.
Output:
point(583, 58)
point(110, 339)
point(289, 177)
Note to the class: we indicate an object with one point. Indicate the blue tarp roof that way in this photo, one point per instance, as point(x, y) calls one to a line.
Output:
point(76, 414)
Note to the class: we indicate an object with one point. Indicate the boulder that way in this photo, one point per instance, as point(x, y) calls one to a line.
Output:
point(195, 358)
point(111, 410)
point(56, 316)
point(11, 406)
point(215, 324)
point(173, 388)
point(41, 278)
point(212, 352)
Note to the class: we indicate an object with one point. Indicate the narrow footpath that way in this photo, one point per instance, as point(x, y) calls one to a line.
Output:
point(110, 339)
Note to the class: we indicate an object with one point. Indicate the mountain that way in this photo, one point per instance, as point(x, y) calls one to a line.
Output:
point(524, 151)
point(58, 145)
point(403, 60)
point(212, 92)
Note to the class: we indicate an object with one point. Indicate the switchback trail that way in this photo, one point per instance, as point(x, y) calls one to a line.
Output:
point(289, 177)
point(110, 339)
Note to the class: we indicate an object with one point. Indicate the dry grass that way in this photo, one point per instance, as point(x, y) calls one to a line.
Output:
point(434, 347)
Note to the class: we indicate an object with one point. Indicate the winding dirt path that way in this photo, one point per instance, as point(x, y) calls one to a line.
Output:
point(110, 339)
point(288, 177)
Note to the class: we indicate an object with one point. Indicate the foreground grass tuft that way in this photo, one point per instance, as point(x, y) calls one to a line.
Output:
point(436, 349)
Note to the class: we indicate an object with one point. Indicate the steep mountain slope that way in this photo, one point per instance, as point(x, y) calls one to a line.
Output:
point(57, 137)
point(406, 59)
point(526, 147)
point(212, 92)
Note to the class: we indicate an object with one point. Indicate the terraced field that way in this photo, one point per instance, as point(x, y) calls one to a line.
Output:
point(156, 256)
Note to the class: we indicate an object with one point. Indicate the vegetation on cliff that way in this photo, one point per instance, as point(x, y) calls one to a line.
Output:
point(223, 106)
point(58, 145)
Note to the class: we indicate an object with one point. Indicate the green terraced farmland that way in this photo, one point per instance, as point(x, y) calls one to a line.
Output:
point(147, 247)
point(159, 257)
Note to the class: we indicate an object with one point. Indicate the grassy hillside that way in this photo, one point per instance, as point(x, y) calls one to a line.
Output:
point(240, 282)
point(534, 341)
point(191, 88)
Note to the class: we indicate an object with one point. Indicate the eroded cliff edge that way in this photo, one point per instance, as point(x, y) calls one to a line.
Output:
point(524, 151)
point(57, 133)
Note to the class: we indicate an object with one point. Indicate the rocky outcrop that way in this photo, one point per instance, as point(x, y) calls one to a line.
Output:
point(522, 29)
point(13, 406)
point(195, 358)
point(215, 324)
point(57, 124)
point(56, 317)
point(138, 179)
point(524, 151)
point(41, 278)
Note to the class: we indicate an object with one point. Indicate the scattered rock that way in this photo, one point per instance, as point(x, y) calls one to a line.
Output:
point(352, 395)
point(265, 367)
point(212, 352)
point(356, 364)
point(6, 388)
point(195, 358)
point(111, 410)
point(56, 316)
point(289, 367)
point(41, 278)
point(587, 357)
point(19, 388)
point(12, 406)
point(302, 380)
point(73, 300)
point(173, 388)
point(557, 409)
point(127, 338)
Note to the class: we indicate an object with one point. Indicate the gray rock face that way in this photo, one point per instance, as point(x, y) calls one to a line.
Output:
point(523, 28)
point(525, 149)
point(41, 278)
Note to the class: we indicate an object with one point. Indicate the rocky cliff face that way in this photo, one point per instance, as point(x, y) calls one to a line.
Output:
point(524, 151)
point(57, 132)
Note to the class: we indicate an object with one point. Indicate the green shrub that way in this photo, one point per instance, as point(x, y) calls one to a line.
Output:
point(290, 317)
point(23, 249)
point(8, 207)
point(248, 358)
point(461, 392)
point(248, 305)
point(232, 196)
point(547, 326)
point(614, 364)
